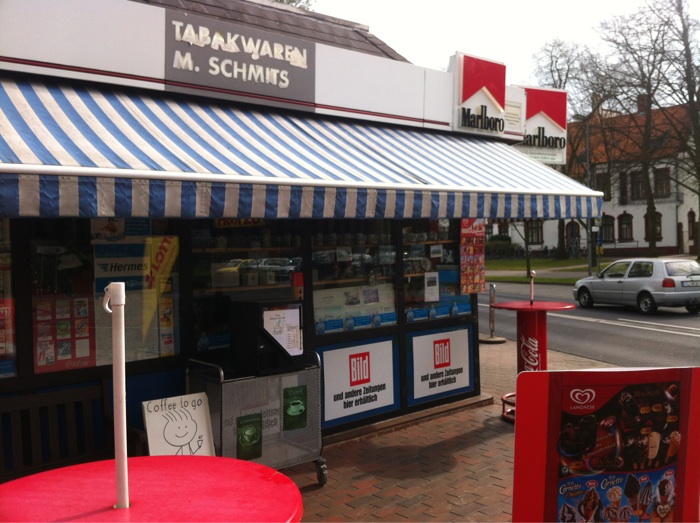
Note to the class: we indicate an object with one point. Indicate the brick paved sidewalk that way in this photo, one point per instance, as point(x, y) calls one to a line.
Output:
point(456, 467)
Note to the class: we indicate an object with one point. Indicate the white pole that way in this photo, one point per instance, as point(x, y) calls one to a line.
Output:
point(115, 292)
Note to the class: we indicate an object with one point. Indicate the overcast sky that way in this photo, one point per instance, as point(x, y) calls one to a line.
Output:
point(428, 32)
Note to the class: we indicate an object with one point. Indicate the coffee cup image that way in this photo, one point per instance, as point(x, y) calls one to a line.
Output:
point(249, 436)
point(296, 407)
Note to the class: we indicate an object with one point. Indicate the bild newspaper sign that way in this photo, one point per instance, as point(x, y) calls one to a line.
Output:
point(358, 381)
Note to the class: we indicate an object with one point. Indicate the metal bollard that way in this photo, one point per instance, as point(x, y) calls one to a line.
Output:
point(492, 318)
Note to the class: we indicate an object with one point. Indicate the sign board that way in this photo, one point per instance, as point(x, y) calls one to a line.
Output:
point(545, 126)
point(480, 90)
point(359, 381)
point(217, 55)
point(180, 425)
point(610, 445)
point(441, 364)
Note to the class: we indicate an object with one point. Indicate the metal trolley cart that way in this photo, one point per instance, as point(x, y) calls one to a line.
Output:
point(274, 420)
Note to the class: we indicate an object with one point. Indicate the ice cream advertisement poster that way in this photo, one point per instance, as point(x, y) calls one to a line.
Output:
point(617, 445)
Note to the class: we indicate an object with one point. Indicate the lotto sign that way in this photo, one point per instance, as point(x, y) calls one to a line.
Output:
point(358, 379)
point(359, 369)
point(441, 363)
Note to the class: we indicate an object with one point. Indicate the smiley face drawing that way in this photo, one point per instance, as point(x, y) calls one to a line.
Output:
point(180, 430)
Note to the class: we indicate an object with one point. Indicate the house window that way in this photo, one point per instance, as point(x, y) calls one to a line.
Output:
point(534, 232)
point(503, 229)
point(623, 189)
point(662, 183)
point(691, 225)
point(657, 228)
point(602, 183)
point(624, 228)
point(607, 229)
point(637, 186)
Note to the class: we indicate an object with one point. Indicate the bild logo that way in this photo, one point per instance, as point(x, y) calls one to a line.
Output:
point(441, 353)
point(359, 369)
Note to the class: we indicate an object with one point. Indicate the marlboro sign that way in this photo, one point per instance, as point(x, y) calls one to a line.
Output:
point(480, 87)
point(545, 126)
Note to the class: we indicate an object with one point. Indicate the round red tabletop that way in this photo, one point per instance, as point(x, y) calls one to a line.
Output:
point(161, 488)
point(534, 306)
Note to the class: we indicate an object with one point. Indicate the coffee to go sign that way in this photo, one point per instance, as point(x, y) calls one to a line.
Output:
point(480, 88)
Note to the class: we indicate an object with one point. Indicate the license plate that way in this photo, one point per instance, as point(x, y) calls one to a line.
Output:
point(694, 283)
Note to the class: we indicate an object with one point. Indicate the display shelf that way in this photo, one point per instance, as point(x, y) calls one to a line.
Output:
point(219, 290)
point(320, 283)
point(220, 250)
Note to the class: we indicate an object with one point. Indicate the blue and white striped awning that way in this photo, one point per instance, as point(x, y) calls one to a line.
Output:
point(98, 152)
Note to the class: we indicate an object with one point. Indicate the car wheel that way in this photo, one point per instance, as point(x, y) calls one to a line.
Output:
point(585, 299)
point(646, 303)
point(692, 309)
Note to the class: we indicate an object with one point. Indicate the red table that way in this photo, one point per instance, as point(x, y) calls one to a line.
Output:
point(161, 488)
point(531, 338)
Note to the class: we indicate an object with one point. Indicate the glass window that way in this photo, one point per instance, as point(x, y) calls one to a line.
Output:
point(353, 270)
point(623, 188)
point(607, 228)
point(8, 349)
point(443, 263)
point(534, 231)
point(625, 232)
point(691, 225)
point(72, 262)
point(637, 186)
point(657, 227)
point(603, 183)
point(662, 183)
point(240, 260)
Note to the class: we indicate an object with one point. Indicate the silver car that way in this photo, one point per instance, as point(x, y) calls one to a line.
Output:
point(646, 283)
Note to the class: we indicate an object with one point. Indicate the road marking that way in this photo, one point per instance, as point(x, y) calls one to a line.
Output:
point(631, 324)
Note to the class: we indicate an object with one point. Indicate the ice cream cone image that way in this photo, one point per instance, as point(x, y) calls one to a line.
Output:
point(673, 446)
point(653, 446)
point(589, 505)
point(645, 498)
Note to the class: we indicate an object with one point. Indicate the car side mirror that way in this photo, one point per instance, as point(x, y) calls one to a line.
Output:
point(599, 275)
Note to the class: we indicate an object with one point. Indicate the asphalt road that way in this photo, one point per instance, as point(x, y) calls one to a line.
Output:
point(616, 335)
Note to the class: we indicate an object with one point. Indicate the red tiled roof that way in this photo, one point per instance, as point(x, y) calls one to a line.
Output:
point(618, 139)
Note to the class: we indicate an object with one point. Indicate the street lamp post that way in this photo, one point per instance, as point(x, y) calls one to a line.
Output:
point(589, 177)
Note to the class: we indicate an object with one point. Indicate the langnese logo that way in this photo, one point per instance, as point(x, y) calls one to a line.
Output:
point(359, 369)
point(441, 353)
point(582, 396)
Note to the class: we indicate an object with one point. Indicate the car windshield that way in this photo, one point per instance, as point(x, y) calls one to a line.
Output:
point(683, 268)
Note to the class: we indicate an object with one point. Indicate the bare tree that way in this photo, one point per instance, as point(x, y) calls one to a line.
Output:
point(635, 71)
point(681, 88)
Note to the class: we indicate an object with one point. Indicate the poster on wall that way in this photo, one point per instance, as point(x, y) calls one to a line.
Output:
point(472, 255)
point(146, 266)
point(64, 333)
point(358, 381)
point(440, 364)
point(354, 308)
point(613, 445)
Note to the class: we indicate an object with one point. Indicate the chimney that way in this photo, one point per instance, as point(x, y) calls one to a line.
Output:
point(643, 102)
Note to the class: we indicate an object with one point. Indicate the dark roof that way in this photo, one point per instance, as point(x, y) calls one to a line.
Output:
point(279, 18)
